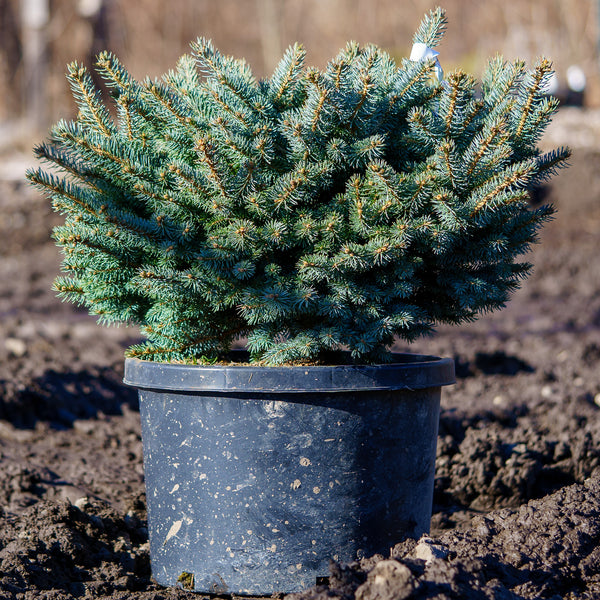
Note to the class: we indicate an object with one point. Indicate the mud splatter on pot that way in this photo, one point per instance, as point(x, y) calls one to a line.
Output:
point(257, 476)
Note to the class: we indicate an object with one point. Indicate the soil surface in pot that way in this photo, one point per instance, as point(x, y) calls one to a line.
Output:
point(517, 498)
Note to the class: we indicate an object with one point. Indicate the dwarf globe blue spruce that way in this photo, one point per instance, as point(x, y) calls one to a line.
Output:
point(307, 212)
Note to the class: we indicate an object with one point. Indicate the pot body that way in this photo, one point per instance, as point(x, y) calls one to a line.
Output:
point(257, 476)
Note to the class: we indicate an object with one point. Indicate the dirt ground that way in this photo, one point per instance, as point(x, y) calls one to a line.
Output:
point(517, 497)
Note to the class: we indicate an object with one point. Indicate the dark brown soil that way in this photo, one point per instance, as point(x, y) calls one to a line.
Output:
point(517, 502)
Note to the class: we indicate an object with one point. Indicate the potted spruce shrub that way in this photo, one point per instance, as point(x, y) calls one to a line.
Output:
point(319, 215)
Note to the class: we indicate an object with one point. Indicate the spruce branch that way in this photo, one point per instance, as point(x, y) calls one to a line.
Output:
point(408, 88)
point(88, 98)
point(285, 88)
point(500, 79)
point(208, 156)
point(68, 163)
point(114, 73)
point(185, 77)
point(62, 190)
point(492, 136)
point(432, 28)
point(170, 103)
point(548, 164)
point(514, 177)
point(532, 91)
point(232, 75)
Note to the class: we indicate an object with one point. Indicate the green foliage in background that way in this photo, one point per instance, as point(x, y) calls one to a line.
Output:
point(307, 212)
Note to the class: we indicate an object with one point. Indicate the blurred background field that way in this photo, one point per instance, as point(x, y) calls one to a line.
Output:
point(39, 37)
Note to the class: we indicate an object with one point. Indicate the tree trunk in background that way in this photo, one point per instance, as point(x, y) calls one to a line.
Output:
point(10, 59)
point(270, 35)
point(35, 15)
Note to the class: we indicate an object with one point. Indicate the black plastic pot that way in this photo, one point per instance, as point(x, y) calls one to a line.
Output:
point(257, 476)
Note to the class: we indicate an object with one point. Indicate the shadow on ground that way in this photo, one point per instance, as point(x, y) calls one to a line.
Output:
point(61, 398)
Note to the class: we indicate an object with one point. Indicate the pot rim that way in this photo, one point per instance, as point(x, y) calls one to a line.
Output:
point(406, 372)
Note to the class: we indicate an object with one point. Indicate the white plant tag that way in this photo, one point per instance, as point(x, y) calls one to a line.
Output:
point(422, 51)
